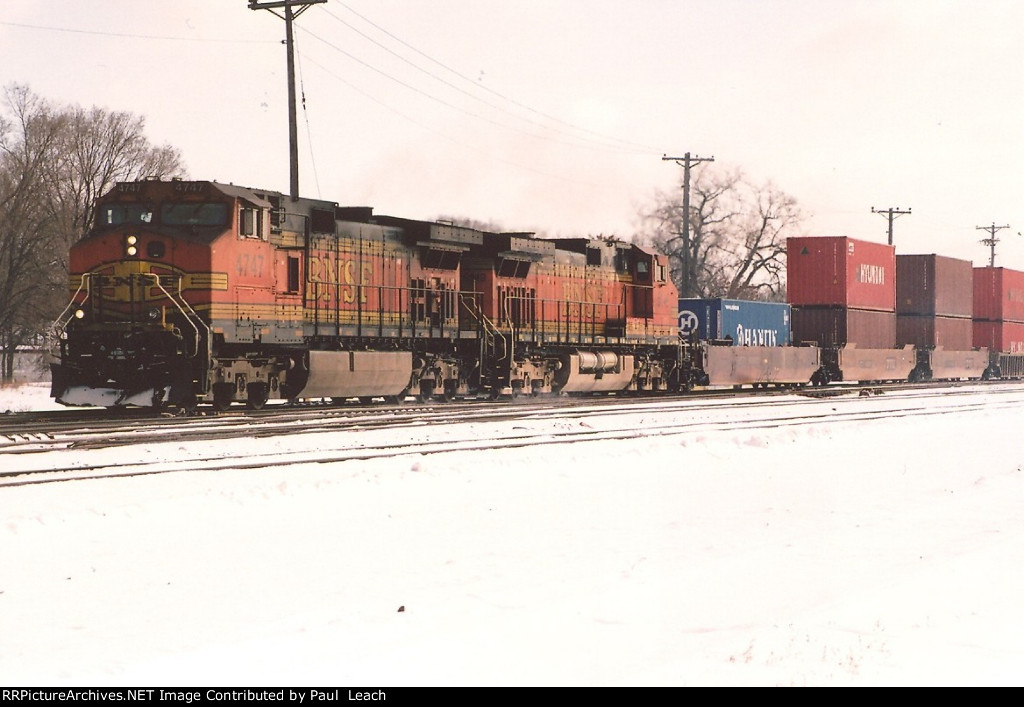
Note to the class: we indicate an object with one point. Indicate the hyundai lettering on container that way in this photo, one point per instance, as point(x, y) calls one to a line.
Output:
point(744, 322)
point(841, 272)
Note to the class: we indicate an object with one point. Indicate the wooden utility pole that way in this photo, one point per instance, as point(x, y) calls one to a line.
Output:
point(991, 240)
point(686, 162)
point(892, 213)
point(292, 9)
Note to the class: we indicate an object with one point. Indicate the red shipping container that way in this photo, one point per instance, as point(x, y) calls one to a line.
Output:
point(934, 285)
point(999, 294)
point(841, 272)
point(838, 326)
point(951, 333)
point(1007, 337)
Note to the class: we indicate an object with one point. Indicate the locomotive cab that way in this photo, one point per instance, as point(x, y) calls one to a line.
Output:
point(137, 330)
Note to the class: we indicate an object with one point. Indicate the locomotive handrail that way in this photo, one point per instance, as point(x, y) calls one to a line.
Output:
point(56, 323)
point(511, 336)
point(582, 304)
point(156, 279)
point(490, 330)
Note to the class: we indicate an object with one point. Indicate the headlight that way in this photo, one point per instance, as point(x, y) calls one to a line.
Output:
point(131, 247)
point(79, 314)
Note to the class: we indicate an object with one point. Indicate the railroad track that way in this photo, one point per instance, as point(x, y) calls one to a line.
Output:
point(270, 441)
point(36, 426)
point(50, 432)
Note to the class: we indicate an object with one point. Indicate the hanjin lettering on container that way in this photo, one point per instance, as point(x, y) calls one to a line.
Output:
point(871, 274)
point(756, 337)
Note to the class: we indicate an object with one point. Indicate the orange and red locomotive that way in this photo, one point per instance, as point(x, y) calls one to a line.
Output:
point(196, 291)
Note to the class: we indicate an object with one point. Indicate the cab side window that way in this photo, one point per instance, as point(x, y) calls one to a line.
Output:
point(250, 223)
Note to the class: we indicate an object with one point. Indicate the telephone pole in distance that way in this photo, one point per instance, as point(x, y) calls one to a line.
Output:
point(686, 162)
point(892, 213)
point(990, 241)
point(292, 9)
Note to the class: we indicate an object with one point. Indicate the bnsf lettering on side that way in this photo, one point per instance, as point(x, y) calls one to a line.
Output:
point(871, 274)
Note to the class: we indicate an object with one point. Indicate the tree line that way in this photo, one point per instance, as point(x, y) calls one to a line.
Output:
point(54, 161)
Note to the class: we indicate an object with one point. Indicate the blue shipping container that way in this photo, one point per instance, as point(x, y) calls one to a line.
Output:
point(746, 323)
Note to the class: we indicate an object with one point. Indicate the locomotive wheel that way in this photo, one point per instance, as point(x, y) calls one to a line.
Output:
point(449, 392)
point(158, 401)
point(426, 393)
point(189, 405)
point(257, 393)
point(223, 395)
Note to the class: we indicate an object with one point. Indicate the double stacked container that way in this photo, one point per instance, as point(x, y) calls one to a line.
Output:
point(842, 291)
point(999, 309)
point(843, 294)
point(934, 302)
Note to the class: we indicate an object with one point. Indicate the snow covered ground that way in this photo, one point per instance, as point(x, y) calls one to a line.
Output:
point(860, 553)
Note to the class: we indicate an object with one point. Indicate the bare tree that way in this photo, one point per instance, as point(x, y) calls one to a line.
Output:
point(96, 150)
point(54, 161)
point(27, 139)
point(737, 234)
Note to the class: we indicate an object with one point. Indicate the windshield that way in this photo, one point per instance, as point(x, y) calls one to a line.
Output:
point(125, 213)
point(194, 214)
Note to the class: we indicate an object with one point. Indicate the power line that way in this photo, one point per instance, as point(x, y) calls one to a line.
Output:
point(448, 138)
point(419, 91)
point(309, 131)
point(128, 35)
point(607, 141)
point(448, 104)
point(292, 9)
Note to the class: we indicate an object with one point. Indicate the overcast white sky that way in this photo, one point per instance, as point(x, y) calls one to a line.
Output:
point(554, 115)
